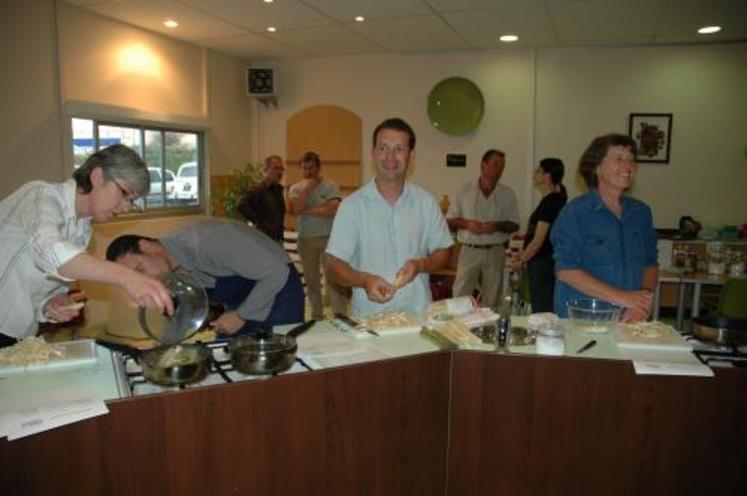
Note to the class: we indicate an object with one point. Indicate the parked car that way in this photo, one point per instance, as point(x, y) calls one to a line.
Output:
point(155, 196)
point(186, 187)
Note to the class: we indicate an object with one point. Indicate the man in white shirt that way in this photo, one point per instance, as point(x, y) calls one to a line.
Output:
point(484, 214)
point(44, 231)
point(390, 234)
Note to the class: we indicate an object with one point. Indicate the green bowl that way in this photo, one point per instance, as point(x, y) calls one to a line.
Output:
point(455, 106)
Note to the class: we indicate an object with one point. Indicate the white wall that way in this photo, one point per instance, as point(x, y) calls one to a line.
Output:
point(30, 137)
point(582, 93)
point(551, 102)
point(379, 86)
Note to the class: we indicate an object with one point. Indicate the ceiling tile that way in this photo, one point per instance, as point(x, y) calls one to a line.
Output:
point(150, 14)
point(689, 15)
point(345, 10)
point(252, 46)
point(465, 5)
point(412, 34)
point(257, 15)
point(328, 40)
point(606, 21)
point(482, 27)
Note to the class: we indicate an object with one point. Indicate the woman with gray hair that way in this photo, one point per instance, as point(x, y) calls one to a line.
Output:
point(604, 241)
point(45, 229)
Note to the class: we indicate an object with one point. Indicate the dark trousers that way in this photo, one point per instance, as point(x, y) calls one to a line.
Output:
point(541, 272)
point(288, 307)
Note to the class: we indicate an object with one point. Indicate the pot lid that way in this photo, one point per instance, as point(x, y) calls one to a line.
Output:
point(262, 343)
point(190, 309)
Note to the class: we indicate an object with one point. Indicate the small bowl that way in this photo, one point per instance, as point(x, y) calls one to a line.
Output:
point(592, 315)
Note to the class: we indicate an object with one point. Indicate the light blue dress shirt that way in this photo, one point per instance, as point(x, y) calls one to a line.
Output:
point(374, 236)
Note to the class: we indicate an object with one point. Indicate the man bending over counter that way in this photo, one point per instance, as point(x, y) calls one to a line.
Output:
point(389, 234)
point(240, 267)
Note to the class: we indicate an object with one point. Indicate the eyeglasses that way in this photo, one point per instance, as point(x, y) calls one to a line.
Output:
point(127, 195)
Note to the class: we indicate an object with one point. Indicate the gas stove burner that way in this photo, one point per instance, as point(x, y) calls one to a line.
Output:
point(221, 372)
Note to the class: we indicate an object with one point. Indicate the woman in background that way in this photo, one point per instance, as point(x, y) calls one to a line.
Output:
point(538, 250)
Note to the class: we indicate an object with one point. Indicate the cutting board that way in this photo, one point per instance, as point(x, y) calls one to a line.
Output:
point(650, 336)
point(81, 353)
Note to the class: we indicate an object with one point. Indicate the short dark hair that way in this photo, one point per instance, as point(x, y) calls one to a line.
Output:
point(311, 156)
point(125, 244)
point(396, 124)
point(488, 154)
point(596, 152)
point(116, 162)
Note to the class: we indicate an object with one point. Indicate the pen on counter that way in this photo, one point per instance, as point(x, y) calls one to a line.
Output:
point(587, 346)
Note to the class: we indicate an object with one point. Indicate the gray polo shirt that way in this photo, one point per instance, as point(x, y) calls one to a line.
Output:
point(313, 225)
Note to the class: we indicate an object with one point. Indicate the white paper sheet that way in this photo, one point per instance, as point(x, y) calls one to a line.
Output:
point(670, 368)
point(32, 413)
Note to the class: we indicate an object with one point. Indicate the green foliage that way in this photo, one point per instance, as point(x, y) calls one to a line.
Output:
point(226, 201)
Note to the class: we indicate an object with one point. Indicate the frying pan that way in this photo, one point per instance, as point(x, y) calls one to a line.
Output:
point(721, 330)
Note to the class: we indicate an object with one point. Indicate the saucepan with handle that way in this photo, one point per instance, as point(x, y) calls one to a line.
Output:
point(721, 330)
point(264, 353)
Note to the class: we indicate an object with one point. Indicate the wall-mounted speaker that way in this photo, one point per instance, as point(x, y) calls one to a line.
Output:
point(261, 81)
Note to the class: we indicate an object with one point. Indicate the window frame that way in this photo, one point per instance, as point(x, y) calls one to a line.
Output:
point(142, 126)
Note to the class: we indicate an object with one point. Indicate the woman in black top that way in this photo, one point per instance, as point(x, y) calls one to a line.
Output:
point(538, 252)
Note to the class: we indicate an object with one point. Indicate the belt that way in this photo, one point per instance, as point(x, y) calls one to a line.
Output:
point(480, 247)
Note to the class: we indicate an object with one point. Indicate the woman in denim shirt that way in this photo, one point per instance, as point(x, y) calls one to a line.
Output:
point(605, 243)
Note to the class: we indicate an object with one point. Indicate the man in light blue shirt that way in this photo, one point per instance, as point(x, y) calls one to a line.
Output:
point(390, 234)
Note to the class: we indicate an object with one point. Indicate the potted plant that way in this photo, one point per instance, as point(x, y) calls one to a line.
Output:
point(229, 189)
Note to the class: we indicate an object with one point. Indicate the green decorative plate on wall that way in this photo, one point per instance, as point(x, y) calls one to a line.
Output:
point(455, 106)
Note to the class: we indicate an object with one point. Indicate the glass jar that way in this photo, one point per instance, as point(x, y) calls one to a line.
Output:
point(550, 341)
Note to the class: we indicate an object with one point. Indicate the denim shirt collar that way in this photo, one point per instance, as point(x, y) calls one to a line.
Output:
point(598, 203)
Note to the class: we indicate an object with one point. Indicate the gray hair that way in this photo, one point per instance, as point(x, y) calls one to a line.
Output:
point(116, 162)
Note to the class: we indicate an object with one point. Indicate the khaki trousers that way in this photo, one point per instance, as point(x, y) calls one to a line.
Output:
point(484, 266)
point(311, 250)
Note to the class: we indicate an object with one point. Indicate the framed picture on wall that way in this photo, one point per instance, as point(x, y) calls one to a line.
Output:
point(653, 136)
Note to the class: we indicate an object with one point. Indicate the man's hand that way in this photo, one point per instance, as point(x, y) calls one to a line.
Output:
point(228, 323)
point(407, 273)
point(310, 183)
point(62, 308)
point(377, 289)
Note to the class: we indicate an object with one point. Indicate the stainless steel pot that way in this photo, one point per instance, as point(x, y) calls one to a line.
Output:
point(721, 330)
point(171, 365)
point(263, 353)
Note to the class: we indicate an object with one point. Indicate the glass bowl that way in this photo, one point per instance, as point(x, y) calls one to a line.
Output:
point(593, 316)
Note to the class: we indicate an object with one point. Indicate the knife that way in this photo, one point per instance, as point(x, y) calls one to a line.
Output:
point(355, 325)
point(587, 346)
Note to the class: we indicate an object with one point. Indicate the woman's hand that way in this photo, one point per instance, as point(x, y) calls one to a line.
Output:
point(62, 308)
point(149, 292)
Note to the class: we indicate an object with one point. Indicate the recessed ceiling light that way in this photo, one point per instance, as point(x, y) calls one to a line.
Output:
point(709, 29)
point(272, 29)
point(268, 1)
point(509, 38)
point(170, 23)
point(359, 18)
